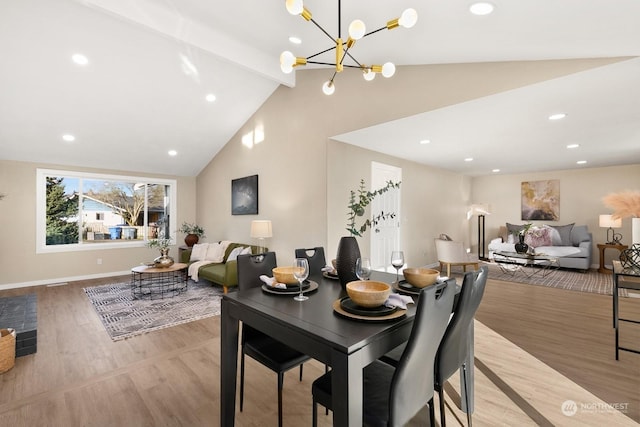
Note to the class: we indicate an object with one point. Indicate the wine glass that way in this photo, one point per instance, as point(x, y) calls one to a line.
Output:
point(397, 261)
point(363, 268)
point(301, 272)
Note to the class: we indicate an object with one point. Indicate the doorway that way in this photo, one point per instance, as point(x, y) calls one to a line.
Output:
point(388, 238)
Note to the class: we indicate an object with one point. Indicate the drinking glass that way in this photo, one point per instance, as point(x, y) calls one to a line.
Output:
point(363, 268)
point(397, 261)
point(301, 272)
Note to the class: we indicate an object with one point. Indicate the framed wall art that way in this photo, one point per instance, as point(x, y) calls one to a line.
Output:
point(541, 200)
point(244, 195)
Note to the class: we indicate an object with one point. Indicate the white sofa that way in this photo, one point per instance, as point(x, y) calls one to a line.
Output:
point(572, 244)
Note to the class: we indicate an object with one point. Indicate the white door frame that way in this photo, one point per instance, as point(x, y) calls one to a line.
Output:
point(388, 239)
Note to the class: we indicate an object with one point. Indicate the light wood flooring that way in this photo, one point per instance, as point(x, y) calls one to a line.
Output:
point(536, 347)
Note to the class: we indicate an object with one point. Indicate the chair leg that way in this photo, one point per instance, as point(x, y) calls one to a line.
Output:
point(443, 422)
point(432, 414)
point(315, 413)
point(301, 371)
point(326, 369)
point(241, 380)
point(280, 385)
point(466, 393)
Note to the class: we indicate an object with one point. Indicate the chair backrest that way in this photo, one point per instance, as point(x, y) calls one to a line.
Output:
point(316, 259)
point(251, 267)
point(412, 383)
point(455, 344)
point(450, 251)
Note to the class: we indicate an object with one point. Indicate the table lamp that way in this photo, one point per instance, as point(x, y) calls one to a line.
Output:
point(606, 221)
point(261, 229)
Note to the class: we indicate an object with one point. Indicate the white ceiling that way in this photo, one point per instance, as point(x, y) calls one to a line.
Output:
point(153, 62)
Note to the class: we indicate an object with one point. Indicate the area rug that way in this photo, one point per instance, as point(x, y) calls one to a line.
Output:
point(124, 317)
point(591, 281)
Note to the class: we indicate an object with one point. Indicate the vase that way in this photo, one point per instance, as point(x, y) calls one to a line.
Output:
point(348, 253)
point(191, 239)
point(521, 246)
point(164, 260)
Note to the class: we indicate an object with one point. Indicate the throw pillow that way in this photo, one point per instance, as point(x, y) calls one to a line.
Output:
point(514, 229)
point(556, 240)
point(246, 251)
point(538, 236)
point(565, 233)
point(234, 253)
point(215, 252)
point(580, 233)
point(199, 252)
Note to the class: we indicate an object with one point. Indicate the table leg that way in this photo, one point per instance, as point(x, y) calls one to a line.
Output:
point(347, 386)
point(615, 310)
point(228, 365)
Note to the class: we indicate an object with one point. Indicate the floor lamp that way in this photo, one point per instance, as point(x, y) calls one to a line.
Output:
point(481, 210)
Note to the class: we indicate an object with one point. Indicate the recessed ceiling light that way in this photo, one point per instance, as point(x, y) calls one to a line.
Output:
point(172, 152)
point(210, 97)
point(425, 141)
point(469, 159)
point(557, 116)
point(570, 146)
point(495, 170)
point(481, 8)
point(581, 162)
point(68, 137)
point(80, 59)
point(295, 40)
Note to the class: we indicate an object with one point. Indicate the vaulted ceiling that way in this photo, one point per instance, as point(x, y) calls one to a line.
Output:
point(152, 63)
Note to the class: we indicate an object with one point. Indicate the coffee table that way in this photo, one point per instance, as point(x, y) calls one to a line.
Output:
point(527, 264)
point(154, 282)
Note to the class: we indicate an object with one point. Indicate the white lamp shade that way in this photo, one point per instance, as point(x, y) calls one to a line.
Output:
point(261, 229)
point(357, 29)
point(607, 221)
point(408, 18)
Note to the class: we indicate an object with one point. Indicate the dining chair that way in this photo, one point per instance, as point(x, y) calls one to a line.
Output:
point(452, 254)
point(268, 351)
point(455, 348)
point(316, 259)
point(392, 396)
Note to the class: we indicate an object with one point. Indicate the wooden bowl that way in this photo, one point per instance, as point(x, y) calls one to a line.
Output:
point(285, 275)
point(368, 293)
point(420, 277)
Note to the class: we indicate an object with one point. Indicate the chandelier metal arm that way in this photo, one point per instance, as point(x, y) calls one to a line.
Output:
point(323, 30)
point(333, 64)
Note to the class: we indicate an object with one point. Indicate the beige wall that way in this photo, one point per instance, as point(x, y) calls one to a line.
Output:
point(581, 193)
point(302, 191)
point(19, 263)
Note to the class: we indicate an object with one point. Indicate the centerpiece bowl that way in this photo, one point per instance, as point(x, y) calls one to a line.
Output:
point(368, 293)
point(285, 275)
point(420, 277)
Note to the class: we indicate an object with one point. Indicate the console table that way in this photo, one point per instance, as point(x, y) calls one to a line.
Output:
point(603, 247)
point(151, 282)
point(623, 278)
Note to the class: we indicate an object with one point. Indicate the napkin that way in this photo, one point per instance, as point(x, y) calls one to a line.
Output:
point(397, 300)
point(271, 281)
point(328, 269)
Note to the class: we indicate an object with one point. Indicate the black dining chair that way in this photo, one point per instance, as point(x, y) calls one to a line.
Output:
point(455, 347)
point(268, 351)
point(393, 396)
point(316, 259)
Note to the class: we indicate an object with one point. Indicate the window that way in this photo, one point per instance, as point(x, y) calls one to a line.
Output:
point(79, 211)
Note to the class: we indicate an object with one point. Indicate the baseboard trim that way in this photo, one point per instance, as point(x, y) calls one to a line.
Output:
point(50, 282)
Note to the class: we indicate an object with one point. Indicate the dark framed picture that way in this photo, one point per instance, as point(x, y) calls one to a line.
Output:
point(244, 195)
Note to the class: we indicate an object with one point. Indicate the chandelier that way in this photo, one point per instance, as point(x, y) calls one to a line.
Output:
point(357, 31)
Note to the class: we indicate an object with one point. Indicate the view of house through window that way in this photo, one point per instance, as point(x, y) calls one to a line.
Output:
point(82, 209)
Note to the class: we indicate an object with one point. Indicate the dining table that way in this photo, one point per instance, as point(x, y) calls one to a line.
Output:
point(313, 327)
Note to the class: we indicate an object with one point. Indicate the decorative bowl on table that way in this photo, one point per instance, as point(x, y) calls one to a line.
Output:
point(420, 277)
point(368, 293)
point(285, 275)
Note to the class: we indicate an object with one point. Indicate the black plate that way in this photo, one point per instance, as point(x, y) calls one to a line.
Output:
point(351, 307)
point(305, 286)
point(330, 276)
point(406, 288)
point(312, 286)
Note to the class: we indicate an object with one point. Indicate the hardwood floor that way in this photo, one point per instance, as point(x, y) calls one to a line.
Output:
point(535, 348)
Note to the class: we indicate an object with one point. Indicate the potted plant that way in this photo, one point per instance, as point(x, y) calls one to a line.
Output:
point(193, 233)
point(348, 249)
point(164, 260)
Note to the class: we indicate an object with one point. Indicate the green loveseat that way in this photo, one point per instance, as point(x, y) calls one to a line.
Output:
point(224, 274)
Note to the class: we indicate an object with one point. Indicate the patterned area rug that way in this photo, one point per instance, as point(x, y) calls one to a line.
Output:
point(573, 280)
point(124, 317)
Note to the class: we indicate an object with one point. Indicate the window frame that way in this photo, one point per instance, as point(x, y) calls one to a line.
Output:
point(41, 210)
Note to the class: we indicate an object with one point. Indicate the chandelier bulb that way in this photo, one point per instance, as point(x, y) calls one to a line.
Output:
point(294, 7)
point(388, 69)
point(328, 87)
point(408, 18)
point(357, 29)
point(369, 75)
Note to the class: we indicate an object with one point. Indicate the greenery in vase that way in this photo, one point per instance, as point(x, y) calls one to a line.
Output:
point(159, 243)
point(358, 203)
point(187, 228)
